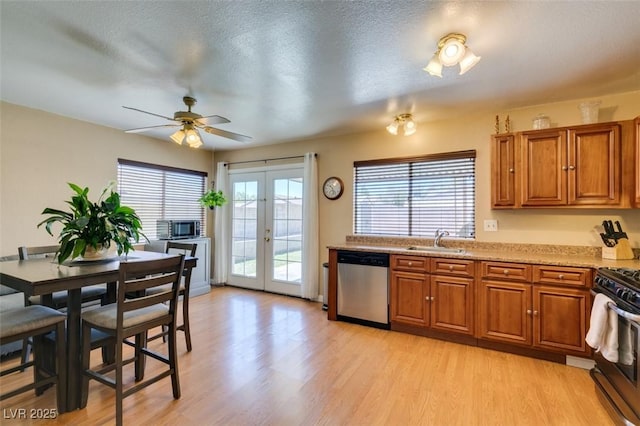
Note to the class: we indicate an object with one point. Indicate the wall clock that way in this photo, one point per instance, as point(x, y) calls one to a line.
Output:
point(332, 188)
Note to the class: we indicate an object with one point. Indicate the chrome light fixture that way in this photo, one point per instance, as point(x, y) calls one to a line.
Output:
point(452, 50)
point(402, 124)
point(188, 134)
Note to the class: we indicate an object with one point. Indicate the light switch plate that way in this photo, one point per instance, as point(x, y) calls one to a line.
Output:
point(490, 225)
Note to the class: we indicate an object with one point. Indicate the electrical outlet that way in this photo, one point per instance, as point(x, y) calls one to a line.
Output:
point(490, 225)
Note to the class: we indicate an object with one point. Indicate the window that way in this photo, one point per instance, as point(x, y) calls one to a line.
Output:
point(416, 196)
point(161, 192)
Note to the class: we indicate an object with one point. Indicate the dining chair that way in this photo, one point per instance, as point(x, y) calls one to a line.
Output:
point(34, 322)
point(188, 249)
point(133, 317)
point(57, 300)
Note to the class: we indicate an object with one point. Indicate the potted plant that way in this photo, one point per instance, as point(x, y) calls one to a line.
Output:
point(213, 199)
point(92, 226)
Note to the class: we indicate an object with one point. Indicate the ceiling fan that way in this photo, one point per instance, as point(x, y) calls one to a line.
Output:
point(188, 123)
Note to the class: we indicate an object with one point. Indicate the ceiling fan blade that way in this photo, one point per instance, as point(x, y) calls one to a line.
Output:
point(143, 129)
point(225, 134)
point(150, 113)
point(211, 119)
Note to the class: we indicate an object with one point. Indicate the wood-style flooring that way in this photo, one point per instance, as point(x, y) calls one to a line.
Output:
point(264, 359)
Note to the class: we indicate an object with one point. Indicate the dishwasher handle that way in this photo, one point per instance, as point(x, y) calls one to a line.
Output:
point(363, 258)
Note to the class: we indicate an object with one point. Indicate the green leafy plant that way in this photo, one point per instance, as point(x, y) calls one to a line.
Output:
point(94, 224)
point(213, 199)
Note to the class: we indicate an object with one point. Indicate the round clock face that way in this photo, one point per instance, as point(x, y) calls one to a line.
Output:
point(332, 188)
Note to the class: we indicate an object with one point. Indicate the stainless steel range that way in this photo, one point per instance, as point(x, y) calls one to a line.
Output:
point(618, 383)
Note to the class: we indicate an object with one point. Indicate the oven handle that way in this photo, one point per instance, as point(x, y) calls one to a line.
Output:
point(621, 312)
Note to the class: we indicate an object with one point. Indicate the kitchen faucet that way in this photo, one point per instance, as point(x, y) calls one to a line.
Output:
point(438, 237)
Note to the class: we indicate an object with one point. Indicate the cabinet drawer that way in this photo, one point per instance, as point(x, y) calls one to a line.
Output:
point(410, 263)
point(508, 271)
point(457, 267)
point(563, 275)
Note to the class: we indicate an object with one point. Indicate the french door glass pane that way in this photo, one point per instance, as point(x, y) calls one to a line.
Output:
point(245, 228)
point(287, 230)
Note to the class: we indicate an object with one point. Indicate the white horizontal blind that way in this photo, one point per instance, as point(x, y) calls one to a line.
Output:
point(416, 196)
point(159, 192)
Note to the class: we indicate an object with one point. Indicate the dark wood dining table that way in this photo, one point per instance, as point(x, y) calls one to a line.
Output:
point(43, 276)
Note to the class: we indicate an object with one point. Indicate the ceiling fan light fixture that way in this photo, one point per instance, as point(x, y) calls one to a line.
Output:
point(192, 136)
point(402, 124)
point(452, 50)
point(178, 137)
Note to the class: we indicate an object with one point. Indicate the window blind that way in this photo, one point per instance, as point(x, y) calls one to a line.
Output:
point(416, 196)
point(160, 192)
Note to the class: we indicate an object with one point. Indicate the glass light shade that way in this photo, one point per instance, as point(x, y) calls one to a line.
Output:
point(193, 138)
point(434, 67)
point(451, 53)
point(178, 136)
point(409, 127)
point(393, 127)
point(468, 61)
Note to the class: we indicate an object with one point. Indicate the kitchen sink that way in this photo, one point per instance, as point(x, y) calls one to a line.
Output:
point(433, 249)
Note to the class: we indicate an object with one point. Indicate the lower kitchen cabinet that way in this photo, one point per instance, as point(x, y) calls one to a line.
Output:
point(438, 302)
point(544, 317)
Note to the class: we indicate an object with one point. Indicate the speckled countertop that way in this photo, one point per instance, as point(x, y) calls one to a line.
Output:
point(578, 256)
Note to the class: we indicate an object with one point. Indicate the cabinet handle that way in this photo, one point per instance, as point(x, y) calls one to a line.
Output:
point(535, 313)
point(528, 311)
point(511, 171)
point(429, 299)
point(572, 167)
point(451, 267)
point(432, 298)
point(561, 277)
point(564, 168)
point(410, 263)
point(506, 272)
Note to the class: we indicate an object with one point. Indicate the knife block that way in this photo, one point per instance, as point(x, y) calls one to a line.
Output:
point(621, 251)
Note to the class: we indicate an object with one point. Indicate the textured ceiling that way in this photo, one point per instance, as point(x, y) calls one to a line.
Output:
point(288, 70)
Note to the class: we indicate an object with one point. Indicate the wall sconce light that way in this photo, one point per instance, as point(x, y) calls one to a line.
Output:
point(451, 51)
point(403, 124)
point(189, 134)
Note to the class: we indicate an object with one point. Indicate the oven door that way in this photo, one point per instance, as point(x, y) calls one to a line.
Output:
point(621, 389)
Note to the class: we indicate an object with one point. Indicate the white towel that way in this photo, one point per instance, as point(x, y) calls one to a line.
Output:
point(626, 347)
point(603, 328)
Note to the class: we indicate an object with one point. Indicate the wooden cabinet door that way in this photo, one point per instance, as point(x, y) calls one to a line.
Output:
point(451, 300)
point(559, 319)
point(504, 311)
point(637, 131)
point(410, 298)
point(594, 163)
point(544, 168)
point(503, 171)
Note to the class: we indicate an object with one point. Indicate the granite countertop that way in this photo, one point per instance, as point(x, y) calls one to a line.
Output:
point(575, 256)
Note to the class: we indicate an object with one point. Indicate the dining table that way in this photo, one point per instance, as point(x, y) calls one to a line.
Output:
point(40, 276)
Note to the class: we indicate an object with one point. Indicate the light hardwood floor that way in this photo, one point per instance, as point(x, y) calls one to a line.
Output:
point(263, 359)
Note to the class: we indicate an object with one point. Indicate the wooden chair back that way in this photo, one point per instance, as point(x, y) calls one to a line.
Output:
point(37, 251)
point(188, 249)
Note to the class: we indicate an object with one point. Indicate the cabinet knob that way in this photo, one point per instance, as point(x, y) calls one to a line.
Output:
point(535, 313)
point(511, 171)
point(451, 267)
point(528, 311)
point(572, 167)
point(506, 272)
point(410, 263)
point(564, 168)
point(561, 277)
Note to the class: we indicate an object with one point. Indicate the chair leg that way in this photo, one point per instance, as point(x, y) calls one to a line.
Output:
point(140, 342)
point(185, 320)
point(86, 358)
point(26, 352)
point(61, 368)
point(119, 385)
point(173, 361)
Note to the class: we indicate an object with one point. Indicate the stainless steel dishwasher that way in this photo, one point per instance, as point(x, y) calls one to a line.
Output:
point(363, 288)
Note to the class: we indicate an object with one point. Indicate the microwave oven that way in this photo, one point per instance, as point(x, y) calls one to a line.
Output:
point(177, 229)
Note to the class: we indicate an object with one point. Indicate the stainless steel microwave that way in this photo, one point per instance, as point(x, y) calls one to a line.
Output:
point(177, 229)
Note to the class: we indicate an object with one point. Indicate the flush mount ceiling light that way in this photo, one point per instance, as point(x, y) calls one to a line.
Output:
point(188, 134)
point(451, 51)
point(403, 124)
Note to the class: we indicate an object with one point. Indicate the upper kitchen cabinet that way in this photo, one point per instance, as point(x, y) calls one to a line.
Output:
point(578, 166)
point(503, 169)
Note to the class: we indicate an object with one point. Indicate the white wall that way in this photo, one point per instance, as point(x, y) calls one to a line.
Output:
point(40, 152)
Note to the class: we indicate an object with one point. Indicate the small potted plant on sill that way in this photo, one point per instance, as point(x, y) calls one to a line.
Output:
point(213, 199)
point(90, 228)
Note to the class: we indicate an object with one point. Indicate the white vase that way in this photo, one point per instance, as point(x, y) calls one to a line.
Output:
point(589, 111)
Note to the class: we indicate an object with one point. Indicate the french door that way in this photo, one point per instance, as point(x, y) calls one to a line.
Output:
point(266, 230)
